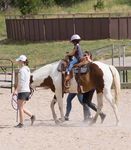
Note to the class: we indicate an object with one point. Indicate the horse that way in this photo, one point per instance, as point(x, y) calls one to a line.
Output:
point(100, 77)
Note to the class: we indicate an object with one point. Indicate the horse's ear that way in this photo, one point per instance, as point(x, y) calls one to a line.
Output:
point(31, 79)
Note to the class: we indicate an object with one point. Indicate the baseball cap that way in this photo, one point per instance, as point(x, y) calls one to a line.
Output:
point(21, 58)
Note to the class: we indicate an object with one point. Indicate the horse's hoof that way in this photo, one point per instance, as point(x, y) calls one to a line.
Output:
point(103, 116)
point(93, 121)
point(61, 119)
point(88, 119)
point(118, 124)
point(66, 118)
point(57, 122)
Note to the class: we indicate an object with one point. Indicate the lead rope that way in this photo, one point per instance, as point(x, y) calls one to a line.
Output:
point(14, 105)
point(14, 102)
point(31, 92)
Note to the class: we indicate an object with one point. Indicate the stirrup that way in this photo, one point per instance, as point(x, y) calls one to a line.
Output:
point(67, 86)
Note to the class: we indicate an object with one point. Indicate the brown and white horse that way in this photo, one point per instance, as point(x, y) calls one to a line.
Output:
point(101, 77)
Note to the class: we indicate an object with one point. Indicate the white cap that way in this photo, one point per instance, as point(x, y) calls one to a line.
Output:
point(75, 37)
point(22, 58)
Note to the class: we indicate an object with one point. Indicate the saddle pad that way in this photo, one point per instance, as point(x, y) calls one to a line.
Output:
point(82, 70)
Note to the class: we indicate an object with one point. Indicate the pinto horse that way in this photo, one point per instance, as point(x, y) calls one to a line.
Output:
point(100, 77)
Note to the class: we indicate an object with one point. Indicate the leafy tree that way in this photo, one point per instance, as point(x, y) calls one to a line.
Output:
point(99, 4)
point(4, 4)
point(48, 2)
point(28, 6)
point(67, 2)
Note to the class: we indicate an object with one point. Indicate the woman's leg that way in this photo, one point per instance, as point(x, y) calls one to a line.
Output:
point(21, 111)
point(69, 103)
point(86, 109)
point(87, 98)
point(27, 112)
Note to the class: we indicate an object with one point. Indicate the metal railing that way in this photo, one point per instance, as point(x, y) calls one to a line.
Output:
point(6, 73)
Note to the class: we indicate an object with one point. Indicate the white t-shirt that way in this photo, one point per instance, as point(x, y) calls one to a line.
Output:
point(24, 79)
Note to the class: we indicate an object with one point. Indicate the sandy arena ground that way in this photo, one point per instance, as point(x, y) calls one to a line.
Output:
point(71, 135)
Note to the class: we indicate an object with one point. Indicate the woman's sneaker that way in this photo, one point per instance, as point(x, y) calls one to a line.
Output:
point(66, 118)
point(33, 118)
point(20, 125)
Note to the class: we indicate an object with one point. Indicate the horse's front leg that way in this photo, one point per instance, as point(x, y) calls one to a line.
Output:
point(99, 107)
point(53, 102)
point(60, 105)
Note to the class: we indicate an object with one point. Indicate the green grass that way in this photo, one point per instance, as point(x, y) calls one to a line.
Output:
point(87, 6)
point(2, 27)
point(111, 6)
point(47, 52)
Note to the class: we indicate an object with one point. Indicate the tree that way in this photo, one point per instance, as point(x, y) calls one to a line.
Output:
point(67, 2)
point(48, 2)
point(99, 4)
point(28, 6)
point(4, 4)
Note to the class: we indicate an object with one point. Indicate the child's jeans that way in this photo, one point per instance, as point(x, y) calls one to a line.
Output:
point(74, 61)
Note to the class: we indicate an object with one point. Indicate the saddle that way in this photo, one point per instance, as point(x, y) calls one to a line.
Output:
point(81, 70)
point(82, 67)
point(77, 71)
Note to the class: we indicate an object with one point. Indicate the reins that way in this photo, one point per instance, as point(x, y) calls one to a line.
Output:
point(14, 101)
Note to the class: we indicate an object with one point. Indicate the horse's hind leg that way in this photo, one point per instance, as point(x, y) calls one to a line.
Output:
point(109, 97)
point(53, 102)
point(99, 106)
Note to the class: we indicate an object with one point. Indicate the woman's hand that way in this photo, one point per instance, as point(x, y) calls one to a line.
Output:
point(15, 92)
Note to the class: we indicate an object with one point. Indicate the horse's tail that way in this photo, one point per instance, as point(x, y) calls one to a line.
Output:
point(116, 81)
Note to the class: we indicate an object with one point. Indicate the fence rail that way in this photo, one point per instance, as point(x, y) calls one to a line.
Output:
point(6, 74)
point(68, 15)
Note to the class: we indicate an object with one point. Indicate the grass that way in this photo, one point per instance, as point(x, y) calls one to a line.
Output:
point(47, 52)
point(2, 27)
point(86, 6)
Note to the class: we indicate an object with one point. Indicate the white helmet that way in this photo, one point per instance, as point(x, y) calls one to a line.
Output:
point(75, 37)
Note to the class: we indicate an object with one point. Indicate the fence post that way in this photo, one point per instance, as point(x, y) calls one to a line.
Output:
point(74, 24)
point(125, 71)
point(112, 54)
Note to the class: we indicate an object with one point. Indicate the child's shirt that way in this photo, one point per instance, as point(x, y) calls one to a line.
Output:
point(79, 53)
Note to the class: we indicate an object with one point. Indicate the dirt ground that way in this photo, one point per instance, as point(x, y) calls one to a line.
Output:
point(71, 135)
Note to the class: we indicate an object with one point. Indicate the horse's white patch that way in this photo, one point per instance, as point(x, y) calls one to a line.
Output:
point(107, 76)
point(42, 73)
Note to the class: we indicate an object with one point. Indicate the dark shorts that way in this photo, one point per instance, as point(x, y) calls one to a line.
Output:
point(24, 96)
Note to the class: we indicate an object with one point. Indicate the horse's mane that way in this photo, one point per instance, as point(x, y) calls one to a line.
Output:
point(46, 67)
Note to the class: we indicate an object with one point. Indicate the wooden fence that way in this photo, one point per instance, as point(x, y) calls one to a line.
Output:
point(56, 29)
point(125, 72)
